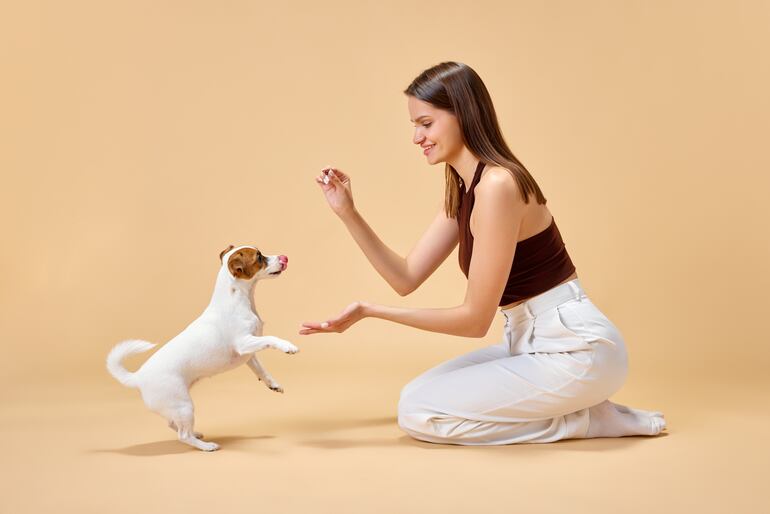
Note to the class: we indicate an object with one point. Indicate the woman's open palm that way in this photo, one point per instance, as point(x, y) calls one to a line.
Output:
point(349, 315)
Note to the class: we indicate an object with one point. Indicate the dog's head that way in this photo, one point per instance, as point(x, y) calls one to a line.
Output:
point(248, 263)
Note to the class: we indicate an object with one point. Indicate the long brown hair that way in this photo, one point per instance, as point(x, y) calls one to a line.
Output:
point(455, 87)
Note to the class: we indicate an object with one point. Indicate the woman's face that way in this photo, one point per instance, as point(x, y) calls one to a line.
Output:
point(437, 131)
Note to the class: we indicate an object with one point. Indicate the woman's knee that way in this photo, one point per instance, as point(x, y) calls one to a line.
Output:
point(411, 387)
point(411, 418)
point(420, 422)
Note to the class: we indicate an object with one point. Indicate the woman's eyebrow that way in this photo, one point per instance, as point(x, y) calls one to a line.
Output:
point(420, 117)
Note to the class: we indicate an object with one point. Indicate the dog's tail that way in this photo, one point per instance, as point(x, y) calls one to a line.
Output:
point(120, 352)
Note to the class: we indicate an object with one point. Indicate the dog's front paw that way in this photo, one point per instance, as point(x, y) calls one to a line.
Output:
point(275, 386)
point(289, 348)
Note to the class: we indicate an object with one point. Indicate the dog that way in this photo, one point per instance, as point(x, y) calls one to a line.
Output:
point(227, 334)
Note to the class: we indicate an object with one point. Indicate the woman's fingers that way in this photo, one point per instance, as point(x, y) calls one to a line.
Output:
point(324, 185)
point(333, 173)
point(317, 325)
point(307, 330)
point(339, 176)
point(325, 179)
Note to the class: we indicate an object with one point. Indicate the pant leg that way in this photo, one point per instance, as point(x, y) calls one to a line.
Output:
point(496, 351)
point(534, 397)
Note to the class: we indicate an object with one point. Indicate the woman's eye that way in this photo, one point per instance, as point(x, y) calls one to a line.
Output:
point(426, 124)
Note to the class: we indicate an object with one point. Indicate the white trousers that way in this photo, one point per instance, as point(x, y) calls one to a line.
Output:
point(559, 356)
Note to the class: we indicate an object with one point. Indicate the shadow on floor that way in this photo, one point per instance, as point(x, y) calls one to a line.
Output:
point(174, 446)
point(598, 444)
point(323, 424)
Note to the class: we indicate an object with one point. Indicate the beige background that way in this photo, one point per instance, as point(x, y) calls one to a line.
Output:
point(138, 139)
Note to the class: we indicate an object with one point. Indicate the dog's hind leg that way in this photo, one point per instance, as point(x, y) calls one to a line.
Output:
point(263, 375)
point(169, 396)
point(173, 427)
point(183, 419)
point(181, 415)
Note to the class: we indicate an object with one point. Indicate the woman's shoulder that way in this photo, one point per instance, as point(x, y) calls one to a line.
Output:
point(496, 180)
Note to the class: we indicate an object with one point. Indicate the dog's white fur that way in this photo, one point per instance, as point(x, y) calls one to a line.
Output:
point(225, 335)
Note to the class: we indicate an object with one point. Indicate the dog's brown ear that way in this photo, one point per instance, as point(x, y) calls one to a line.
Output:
point(243, 263)
point(223, 252)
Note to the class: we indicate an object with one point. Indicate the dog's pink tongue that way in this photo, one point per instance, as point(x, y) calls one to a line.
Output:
point(284, 262)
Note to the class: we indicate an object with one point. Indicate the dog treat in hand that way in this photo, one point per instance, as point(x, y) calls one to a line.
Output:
point(325, 324)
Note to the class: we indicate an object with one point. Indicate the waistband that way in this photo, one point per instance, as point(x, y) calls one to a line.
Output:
point(557, 295)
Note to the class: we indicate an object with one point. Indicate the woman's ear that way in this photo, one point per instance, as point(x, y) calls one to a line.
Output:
point(223, 252)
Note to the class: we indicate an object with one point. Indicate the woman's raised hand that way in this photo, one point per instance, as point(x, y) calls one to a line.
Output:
point(337, 190)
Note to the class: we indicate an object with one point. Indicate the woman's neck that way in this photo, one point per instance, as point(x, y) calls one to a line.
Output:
point(465, 164)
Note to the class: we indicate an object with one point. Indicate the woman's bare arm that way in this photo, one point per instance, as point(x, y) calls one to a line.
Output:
point(405, 274)
point(390, 265)
point(498, 212)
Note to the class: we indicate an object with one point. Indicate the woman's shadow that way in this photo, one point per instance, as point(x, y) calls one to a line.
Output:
point(575, 445)
point(599, 444)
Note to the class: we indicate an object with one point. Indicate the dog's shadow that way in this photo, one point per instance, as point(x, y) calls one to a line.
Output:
point(173, 446)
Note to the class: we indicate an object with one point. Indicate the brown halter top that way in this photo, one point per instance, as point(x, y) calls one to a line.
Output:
point(540, 262)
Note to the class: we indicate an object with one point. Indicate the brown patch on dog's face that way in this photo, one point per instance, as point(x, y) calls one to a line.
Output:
point(223, 252)
point(245, 263)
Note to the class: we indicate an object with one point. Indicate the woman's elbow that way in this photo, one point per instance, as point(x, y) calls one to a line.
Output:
point(480, 329)
point(479, 332)
point(404, 289)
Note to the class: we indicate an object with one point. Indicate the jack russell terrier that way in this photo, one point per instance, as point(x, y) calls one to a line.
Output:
point(227, 334)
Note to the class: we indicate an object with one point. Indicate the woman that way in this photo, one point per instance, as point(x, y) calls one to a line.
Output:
point(560, 358)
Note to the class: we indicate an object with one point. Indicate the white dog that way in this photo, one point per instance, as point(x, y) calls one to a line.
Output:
point(226, 335)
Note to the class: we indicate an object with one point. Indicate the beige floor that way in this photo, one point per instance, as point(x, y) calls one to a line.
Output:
point(331, 444)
